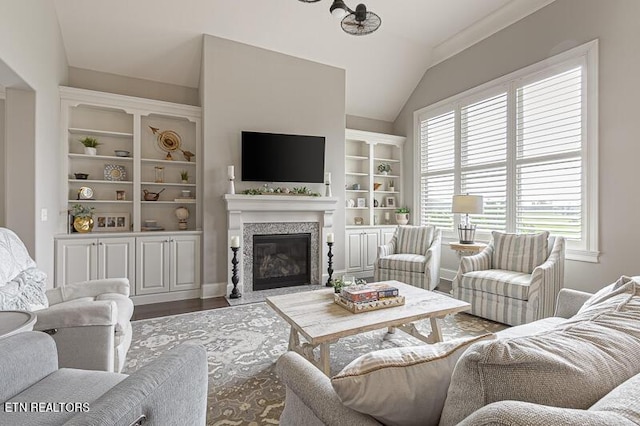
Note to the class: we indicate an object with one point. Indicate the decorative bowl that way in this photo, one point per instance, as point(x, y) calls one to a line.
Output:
point(82, 176)
point(121, 153)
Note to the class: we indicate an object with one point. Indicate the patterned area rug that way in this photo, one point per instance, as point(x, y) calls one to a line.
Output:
point(244, 342)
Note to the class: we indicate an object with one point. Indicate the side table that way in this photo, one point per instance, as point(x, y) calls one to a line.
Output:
point(467, 249)
point(13, 322)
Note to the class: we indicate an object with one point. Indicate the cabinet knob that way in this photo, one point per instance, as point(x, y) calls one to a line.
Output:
point(93, 244)
point(101, 243)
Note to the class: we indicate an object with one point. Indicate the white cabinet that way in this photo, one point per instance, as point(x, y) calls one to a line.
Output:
point(361, 249)
point(167, 263)
point(82, 259)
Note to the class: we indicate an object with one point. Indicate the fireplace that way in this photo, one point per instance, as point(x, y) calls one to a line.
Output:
point(281, 260)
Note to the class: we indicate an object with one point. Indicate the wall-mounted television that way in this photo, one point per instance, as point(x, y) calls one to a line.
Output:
point(272, 157)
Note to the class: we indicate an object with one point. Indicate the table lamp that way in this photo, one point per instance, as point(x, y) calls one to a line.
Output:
point(467, 204)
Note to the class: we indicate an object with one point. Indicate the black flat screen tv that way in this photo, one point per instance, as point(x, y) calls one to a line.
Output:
point(271, 157)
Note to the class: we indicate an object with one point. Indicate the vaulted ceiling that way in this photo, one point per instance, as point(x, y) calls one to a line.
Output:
point(161, 40)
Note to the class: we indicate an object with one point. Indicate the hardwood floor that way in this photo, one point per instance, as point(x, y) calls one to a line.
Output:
point(155, 310)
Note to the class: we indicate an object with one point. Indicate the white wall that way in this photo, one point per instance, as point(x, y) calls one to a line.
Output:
point(32, 57)
point(248, 88)
point(555, 28)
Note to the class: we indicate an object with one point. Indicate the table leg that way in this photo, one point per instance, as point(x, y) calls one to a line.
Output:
point(324, 359)
point(294, 341)
point(391, 331)
point(434, 336)
point(436, 332)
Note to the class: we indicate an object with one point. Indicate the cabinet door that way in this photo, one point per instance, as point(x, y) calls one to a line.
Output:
point(185, 262)
point(76, 261)
point(354, 251)
point(116, 259)
point(370, 243)
point(386, 234)
point(152, 265)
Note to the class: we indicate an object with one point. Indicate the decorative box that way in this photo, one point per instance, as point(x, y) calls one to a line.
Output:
point(373, 305)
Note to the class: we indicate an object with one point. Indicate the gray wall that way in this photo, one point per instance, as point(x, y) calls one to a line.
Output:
point(248, 88)
point(369, 124)
point(551, 30)
point(32, 59)
point(122, 85)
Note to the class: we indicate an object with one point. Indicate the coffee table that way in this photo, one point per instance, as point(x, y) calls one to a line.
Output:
point(314, 316)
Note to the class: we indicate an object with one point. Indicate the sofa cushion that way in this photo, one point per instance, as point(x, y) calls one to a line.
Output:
point(414, 239)
point(403, 262)
point(498, 281)
point(402, 386)
point(572, 365)
point(519, 252)
point(62, 386)
point(622, 401)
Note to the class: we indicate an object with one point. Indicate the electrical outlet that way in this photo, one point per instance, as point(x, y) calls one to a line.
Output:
point(44, 215)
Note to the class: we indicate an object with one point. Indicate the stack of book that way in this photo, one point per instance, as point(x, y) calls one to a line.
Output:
point(368, 297)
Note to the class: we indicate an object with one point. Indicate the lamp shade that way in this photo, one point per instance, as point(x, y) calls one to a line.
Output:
point(468, 204)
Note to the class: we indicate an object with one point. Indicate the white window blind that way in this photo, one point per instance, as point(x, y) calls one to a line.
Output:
point(522, 142)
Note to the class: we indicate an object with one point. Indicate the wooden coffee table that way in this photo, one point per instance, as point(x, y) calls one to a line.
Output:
point(315, 316)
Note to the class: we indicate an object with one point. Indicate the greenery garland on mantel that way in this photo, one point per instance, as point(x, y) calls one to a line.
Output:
point(266, 190)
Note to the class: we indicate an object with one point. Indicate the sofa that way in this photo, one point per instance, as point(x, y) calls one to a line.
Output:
point(90, 321)
point(171, 390)
point(579, 367)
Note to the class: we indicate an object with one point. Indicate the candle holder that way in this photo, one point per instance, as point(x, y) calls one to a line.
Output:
point(232, 187)
point(235, 294)
point(330, 268)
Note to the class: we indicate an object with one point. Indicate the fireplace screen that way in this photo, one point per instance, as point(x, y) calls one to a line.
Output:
point(281, 260)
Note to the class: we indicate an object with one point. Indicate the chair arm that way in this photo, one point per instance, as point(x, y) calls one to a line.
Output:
point(547, 280)
point(25, 359)
point(77, 314)
point(172, 390)
point(90, 288)
point(477, 262)
point(308, 385)
point(387, 249)
point(569, 302)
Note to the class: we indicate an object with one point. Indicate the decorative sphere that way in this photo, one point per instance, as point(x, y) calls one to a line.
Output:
point(182, 213)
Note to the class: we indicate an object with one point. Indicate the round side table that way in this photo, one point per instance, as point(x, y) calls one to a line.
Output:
point(12, 322)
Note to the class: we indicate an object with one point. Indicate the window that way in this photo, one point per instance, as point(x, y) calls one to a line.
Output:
point(527, 143)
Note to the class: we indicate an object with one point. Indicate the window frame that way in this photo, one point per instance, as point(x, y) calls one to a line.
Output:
point(585, 55)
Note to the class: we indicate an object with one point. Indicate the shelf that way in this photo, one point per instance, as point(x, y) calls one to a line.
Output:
point(356, 208)
point(387, 192)
point(357, 190)
point(168, 202)
point(385, 176)
point(385, 208)
point(386, 160)
point(356, 174)
point(167, 184)
point(94, 132)
point(356, 157)
point(102, 201)
point(158, 161)
point(108, 182)
point(100, 157)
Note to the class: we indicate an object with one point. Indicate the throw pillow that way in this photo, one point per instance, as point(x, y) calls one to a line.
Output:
point(621, 285)
point(572, 365)
point(519, 252)
point(402, 386)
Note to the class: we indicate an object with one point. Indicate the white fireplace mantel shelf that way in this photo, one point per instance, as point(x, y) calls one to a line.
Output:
point(280, 203)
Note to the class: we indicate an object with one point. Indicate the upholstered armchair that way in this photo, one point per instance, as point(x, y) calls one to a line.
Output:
point(89, 321)
point(412, 257)
point(515, 279)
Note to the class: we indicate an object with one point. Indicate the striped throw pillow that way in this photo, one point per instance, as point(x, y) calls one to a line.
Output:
point(519, 252)
point(414, 239)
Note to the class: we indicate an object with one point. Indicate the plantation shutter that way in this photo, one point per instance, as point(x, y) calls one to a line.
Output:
point(549, 135)
point(483, 159)
point(437, 159)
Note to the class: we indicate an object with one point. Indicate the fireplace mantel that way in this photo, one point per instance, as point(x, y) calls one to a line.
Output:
point(243, 209)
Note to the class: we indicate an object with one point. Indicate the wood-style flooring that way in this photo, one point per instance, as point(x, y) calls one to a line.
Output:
point(154, 310)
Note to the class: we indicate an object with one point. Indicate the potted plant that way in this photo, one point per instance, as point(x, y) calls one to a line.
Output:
point(392, 186)
point(90, 145)
point(402, 215)
point(184, 175)
point(384, 168)
point(82, 218)
point(337, 285)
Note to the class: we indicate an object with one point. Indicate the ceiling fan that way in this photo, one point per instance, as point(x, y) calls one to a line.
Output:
point(355, 22)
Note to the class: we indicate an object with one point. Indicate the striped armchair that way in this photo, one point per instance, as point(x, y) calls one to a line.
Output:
point(515, 279)
point(412, 257)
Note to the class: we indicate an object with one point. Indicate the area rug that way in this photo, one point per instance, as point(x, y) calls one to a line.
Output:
point(243, 344)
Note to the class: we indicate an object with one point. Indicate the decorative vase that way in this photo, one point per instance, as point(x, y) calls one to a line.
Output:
point(402, 218)
point(83, 224)
point(90, 151)
point(185, 181)
point(392, 189)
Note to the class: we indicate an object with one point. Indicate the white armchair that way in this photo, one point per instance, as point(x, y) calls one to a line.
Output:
point(90, 321)
point(412, 257)
point(515, 279)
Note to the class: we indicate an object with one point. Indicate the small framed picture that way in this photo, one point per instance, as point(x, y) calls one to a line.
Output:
point(121, 195)
point(111, 222)
point(362, 202)
point(390, 201)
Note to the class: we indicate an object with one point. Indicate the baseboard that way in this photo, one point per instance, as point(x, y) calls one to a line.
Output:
point(145, 299)
point(213, 290)
point(447, 274)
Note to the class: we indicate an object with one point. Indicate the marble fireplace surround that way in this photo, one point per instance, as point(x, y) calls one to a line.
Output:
point(277, 214)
